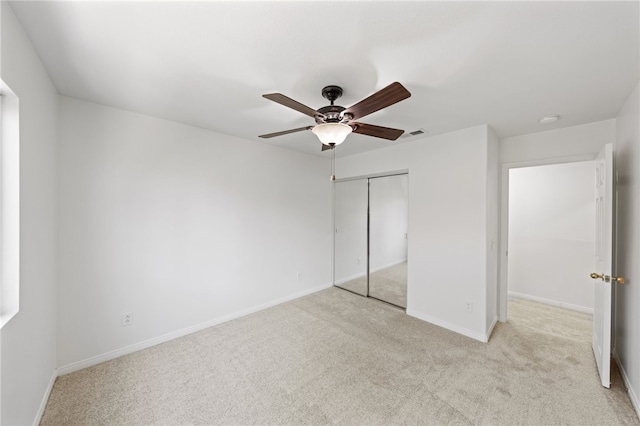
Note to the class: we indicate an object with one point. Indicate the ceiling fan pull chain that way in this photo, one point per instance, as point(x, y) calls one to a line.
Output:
point(333, 163)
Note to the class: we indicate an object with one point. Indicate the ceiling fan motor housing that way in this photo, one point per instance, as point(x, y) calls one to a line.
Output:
point(332, 113)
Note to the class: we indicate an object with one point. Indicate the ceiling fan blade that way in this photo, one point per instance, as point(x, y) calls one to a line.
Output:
point(288, 102)
point(393, 93)
point(376, 131)
point(285, 132)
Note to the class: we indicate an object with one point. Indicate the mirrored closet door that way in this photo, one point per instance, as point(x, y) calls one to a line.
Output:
point(350, 243)
point(388, 219)
point(370, 251)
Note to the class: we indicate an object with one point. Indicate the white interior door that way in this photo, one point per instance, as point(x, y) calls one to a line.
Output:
point(603, 276)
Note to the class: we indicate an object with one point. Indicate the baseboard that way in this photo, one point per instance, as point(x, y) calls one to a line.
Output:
point(350, 277)
point(449, 326)
point(364, 274)
point(564, 305)
point(388, 265)
point(632, 395)
point(89, 362)
point(490, 330)
point(45, 398)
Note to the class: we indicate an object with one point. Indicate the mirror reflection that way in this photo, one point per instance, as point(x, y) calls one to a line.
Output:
point(350, 250)
point(371, 221)
point(388, 220)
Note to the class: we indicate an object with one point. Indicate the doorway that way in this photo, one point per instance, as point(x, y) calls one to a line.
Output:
point(370, 237)
point(551, 234)
point(503, 291)
point(592, 210)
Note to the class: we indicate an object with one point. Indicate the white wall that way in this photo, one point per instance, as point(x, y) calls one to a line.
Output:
point(586, 139)
point(28, 341)
point(388, 212)
point(447, 223)
point(178, 225)
point(627, 296)
point(552, 234)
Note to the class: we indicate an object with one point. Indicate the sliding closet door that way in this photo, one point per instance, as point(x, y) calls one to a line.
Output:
point(388, 220)
point(350, 250)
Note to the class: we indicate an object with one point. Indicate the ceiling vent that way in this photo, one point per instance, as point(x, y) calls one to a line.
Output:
point(414, 133)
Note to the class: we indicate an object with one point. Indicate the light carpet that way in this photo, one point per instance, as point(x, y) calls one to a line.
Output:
point(337, 358)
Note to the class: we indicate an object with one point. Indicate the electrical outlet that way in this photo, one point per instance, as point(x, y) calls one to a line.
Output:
point(299, 276)
point(127, 319)
point(358, 261)
point(468, 306)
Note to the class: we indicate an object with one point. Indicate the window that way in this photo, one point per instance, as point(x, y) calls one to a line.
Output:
point(9, 204)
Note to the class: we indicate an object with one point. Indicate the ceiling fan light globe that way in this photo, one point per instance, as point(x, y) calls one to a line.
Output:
point(332, 133)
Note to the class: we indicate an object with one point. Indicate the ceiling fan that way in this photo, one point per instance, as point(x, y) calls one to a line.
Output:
point(334, 122)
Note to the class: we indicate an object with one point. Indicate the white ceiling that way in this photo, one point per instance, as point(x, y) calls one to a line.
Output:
point(466, 63)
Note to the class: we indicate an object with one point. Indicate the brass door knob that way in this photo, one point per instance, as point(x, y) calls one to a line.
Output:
point(607, 278)
point(603, 277)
